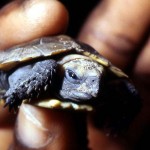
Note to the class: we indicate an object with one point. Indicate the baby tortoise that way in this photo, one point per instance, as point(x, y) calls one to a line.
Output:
point(59, 72)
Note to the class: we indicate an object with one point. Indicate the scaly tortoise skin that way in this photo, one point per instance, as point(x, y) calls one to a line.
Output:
point(60, 72)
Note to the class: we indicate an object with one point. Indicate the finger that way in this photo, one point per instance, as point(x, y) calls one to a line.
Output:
point(98, 140)
point(141, 76)
point(5, 137)
point(141, 70)
point(7, 120)
point(114, 30)
point(39, 128)
point(25, 20)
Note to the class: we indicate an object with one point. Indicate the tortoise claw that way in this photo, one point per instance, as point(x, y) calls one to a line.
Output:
point(10, 101)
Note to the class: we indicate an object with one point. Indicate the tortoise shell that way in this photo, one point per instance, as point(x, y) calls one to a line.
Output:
point(49, 46)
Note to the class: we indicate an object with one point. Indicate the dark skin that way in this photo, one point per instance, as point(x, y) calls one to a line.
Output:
point(115, 37)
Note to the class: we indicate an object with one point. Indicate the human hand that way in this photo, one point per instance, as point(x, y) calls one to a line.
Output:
point(119, 30)
point(35, 127)
point(97, 139)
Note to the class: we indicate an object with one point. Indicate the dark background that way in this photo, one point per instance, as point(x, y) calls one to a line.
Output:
point(78, 12)
point(3, 2)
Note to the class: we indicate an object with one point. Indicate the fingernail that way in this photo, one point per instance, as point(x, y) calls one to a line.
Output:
point(31, 130)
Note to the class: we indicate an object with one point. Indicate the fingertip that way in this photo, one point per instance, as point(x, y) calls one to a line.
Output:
point(51, 129)
point(22, 21)
point(45, 16)
point(6, 137)
point(29, 127)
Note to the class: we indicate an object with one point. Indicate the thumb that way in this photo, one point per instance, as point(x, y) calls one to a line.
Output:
point(39, 128)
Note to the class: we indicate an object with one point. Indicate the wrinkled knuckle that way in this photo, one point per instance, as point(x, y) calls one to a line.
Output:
point(119, 43)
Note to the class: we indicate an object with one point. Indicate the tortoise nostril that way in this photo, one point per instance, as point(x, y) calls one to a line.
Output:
point(93, 81)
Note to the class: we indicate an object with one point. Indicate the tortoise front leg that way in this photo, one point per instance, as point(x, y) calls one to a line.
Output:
point(30, 82)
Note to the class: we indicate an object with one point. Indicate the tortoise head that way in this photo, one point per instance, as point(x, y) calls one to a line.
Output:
point(82, 77)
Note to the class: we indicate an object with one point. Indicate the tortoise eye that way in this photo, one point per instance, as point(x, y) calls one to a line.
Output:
point(71, 76)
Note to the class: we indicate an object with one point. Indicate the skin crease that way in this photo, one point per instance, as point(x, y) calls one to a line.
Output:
point(109, 36)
